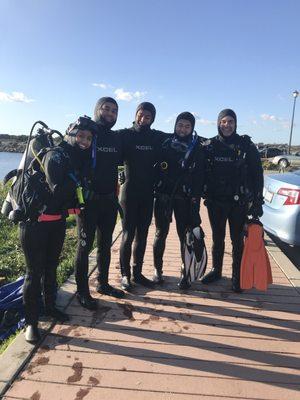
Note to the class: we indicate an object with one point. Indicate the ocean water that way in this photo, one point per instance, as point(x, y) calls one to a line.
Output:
point(8, 162)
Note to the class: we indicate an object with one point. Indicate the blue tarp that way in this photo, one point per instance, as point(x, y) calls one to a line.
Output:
point(11, 308)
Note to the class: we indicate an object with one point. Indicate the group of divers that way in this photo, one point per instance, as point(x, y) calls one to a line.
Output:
point(163, 174)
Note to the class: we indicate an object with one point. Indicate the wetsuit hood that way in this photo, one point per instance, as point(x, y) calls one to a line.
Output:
point(147, 107)
point(189, 117)
point(224, 113)
point(77, 154)
point(97, 112)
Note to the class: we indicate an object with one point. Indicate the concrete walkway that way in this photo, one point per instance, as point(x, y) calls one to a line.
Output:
point(205, 343)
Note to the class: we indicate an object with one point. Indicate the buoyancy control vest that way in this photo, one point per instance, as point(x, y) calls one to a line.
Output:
point(227, 170)
point(178, 172)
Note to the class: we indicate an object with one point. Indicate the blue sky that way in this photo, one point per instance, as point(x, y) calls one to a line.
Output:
point(58, 57)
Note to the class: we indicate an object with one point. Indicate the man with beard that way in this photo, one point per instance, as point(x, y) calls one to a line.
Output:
point(141, 151)
point(178, 188)
point(234, 180)
point(102, 207)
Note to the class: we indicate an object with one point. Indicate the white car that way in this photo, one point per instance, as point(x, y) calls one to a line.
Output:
point(284, 160)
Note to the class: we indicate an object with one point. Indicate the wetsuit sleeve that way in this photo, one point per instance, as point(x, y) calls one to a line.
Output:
point(198, 173)
point(124, 137)
point(255, 173)
point(56, 171)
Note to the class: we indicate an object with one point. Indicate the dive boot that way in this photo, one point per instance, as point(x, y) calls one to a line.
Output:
point(140, 279)
point(56, 314)
point(87, 301)
point(158, 277)
point(214, 275)
point(236, 287)
point(125, 283)
point(32, 334)
point(110, 291)
point(183, 284)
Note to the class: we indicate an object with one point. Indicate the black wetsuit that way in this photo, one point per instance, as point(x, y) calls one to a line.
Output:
point(101, 210)
point(42, 241)
point(142, 149)
point(234, 181)
point(175, 188)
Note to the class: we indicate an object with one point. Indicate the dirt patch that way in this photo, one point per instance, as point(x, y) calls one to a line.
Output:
point(82, 393)
point(77, 375)
point(36, 396)
point(93, 381)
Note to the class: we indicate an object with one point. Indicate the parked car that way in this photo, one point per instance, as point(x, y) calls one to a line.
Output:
point(282, 206)
point(269, 152)
point(284, 160)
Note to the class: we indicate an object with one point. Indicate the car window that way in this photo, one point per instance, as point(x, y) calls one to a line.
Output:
point(273, 152)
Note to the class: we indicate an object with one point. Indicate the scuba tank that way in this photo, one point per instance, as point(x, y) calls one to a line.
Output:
point(12, 206)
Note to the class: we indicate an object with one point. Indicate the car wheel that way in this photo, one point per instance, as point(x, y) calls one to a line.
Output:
point(283, 163)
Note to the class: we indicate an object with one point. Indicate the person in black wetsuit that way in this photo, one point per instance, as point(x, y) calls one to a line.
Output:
point(42, 238)
point(234, 184)
point(141, 151)
point(178, 189)
point(102, 206)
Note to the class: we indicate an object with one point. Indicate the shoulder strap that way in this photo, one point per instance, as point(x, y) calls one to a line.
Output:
point(37, 162)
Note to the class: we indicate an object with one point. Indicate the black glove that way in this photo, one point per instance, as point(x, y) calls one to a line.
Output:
point(121, 177)
point(256, 210)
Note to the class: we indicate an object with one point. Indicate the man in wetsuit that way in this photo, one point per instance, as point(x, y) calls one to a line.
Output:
point(234, 180)
point(142, 146)
point(178, 188)
point(102, 207)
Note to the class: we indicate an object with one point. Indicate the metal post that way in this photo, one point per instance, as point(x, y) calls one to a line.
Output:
point(295, 94)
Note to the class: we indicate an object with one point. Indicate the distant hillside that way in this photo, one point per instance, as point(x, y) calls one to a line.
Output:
point(13, 143)
point(17, 144)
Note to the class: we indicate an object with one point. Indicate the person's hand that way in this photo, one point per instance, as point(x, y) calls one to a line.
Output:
point(256, 210)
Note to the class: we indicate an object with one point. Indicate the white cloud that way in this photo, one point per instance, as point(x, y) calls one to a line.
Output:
point(121, 94)
point(268, 117)
point(18, 97)
point(283, 123)
point(171, 118)
point(202, 121)
point(103, 85)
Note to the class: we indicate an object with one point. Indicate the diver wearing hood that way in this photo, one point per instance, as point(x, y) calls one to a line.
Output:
point(142, 146)
point(42, 239)
point(234, 184)
point(102, 207)
point(179, 186)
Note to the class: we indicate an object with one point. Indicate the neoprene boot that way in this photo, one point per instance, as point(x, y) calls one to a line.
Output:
point(214, 275)
point(109, 290)
point(55, 313)
point(236, 269)
point(32, 334)
point(139, 278)
point(52, 311)
point(158, 277)
point(87, 301)
point(183, 284)
point(125, 283)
